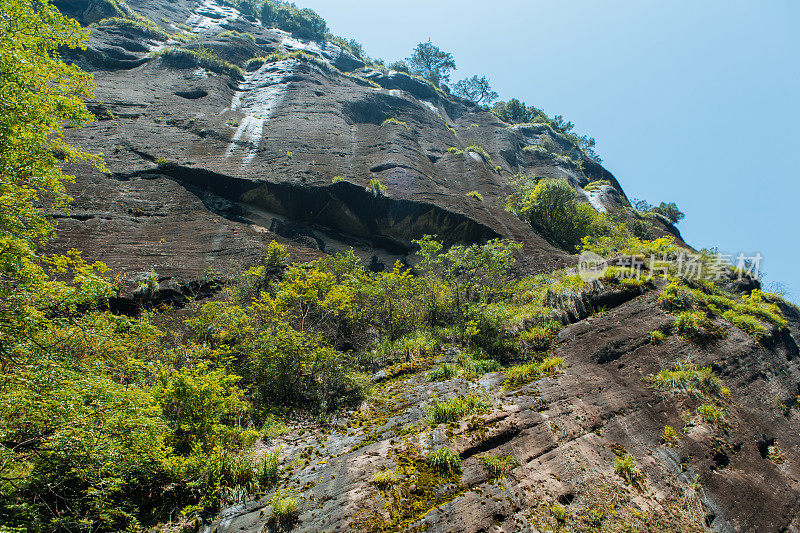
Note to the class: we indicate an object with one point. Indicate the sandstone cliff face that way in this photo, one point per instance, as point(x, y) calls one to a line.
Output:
point(206, 168)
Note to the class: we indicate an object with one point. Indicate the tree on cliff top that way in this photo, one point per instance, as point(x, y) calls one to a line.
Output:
point(432, 63)
point(479, 90)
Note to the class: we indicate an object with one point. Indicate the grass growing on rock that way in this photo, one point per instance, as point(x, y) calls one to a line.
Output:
point(445, 461)
point(384, 479)
point(527, 372)
point(689, 378)
point(454, 409)
point(697, 327)
point(480, 150)
point(625, 467)
point(498, 466)
point(201, 57)
point(395, 122)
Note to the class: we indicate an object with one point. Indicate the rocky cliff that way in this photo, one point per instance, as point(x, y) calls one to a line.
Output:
point(207, 164)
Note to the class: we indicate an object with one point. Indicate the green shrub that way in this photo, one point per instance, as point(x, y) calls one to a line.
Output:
point(774, 454)
point(231, 34)
point(669, 211)
point(273, 427)
point(377, 187)
point(442, 372)
point(710, 413)
point(697, 327)
point(455, 408)
point(596, 185)
point(478, 150)
point(384, 479)
point(144, 26)
point(444, 461)
point(657, 337)
point(304, 23)
point(689, 378)
point(626, 468)
point(475, 367)
point(416, 344)
point(559, 512)
point(284, 508)
point(669, 436)
point(475, 194)
point(539, 338)
point(553, 210)
point(454, 150)
point(746, 323)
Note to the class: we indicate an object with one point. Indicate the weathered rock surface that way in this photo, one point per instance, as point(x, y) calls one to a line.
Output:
point(205, 169)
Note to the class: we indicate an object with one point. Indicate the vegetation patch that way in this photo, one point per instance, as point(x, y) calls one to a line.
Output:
point(688, 378)
point(395, 122)
point(454, 409)
point(527, 372)
point(475, 149)
point(201, 57)
point(444, 461)
point(498, 466)
point(626, 468)
point(697, 327)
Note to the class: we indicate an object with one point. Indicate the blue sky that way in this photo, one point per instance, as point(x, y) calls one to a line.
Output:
point(693, 102)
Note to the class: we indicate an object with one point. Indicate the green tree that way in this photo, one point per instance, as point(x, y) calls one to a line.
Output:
point(517, 112)
point(431, 63)
point(553, 210)
point(479, 90)
point(304, 23)
point(670, 211)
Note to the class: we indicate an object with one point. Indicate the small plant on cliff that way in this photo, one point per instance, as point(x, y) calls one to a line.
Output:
point(284, 507)
point(669, 436)
point(455, 151)
point(455, 408)
point(475, 149)
point(690, 378)
point(748, 324)
point(626, 468)
point(378, 188)
point(444, 461)
point(498, 466)
point(710, 413)
point(657, 337)
point(384, 479)
point(559, 512)
point(396, 122)
point(200, 57)
point(442, 372)
point(475, 194)
point(525, 373)
point(697, 327)
point(149, 286)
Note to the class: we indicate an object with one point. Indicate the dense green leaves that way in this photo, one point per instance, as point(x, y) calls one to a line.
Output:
point(553, 209)
point(432, 63)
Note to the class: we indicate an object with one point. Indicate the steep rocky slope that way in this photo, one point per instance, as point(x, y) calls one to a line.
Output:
point(206, 168)
point(563, 434)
